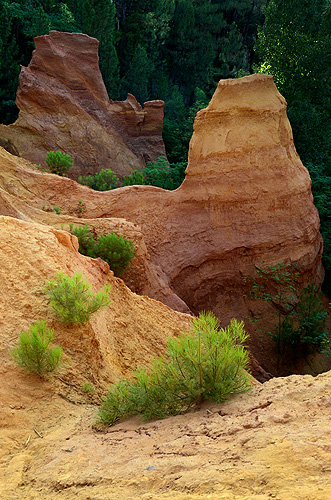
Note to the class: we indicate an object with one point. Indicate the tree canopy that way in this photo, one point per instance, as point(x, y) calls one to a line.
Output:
point(294, 45)
point(147, 47)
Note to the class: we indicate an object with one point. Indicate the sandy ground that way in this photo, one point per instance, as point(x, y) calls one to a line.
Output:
point(272, 442)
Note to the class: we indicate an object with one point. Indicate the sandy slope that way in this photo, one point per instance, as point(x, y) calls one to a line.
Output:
point(273, 442)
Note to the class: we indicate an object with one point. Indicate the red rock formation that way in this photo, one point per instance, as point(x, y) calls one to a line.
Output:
point(64, 105)
point(246, 199)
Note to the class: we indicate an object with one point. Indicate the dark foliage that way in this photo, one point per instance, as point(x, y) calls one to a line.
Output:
point(113, 249)
point(300, 318)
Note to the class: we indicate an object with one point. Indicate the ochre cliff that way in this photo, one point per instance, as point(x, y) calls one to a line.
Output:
point(246, 199)
point(64, 105)
point(272, 442)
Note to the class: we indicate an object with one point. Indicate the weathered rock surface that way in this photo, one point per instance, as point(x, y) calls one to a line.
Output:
point(246, 199)
point(272, 442)
point(64, 105)
point(32, 253)
point(24, 194)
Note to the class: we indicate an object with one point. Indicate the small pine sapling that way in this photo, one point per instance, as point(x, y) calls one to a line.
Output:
point(85, 238)
point(88, 180)
point(311, 331)
point(104, 180)
point(34, 352)
point(208, 362)
point(58, 163)
point(81, 207)
point(133, 179)
point(88, 388)
point(72, 299)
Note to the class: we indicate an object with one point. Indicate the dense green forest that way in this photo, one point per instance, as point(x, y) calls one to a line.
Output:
point(177, 50)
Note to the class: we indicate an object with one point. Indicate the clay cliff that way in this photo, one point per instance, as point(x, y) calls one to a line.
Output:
point(64, 105)
point(272, 442)
point(246, 199)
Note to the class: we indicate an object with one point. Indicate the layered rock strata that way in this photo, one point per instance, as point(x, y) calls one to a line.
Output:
point(64, 106)
point(246, 199)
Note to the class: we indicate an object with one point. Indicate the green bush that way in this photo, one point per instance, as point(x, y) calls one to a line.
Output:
point(88, 388)
point(311, 318)
point(58, 163)
point(104, 180)
point(34, 353)
point(133, 179)
point(161, 174)
point(57, 210)
point(85, 237)
point(115, 250)
point(208, 362)
point(157, 173)
point(321, 188)
point(72, 299)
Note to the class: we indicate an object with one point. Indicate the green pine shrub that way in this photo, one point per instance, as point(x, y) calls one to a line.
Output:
point(164, 175)
point(157, 173)
point(104, 180)
point(72, 299)
point(58, 162)
point(87, 180)
point(34, 352)
point(115, 250)
point(205, 363)
point(134, 179)
point(85, 238)
point(311, 321)
point(88, 388)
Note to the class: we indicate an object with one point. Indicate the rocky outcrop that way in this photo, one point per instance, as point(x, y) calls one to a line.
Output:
point(32, 253)
point(247, 447)
point(16, 200)
point(64, 105)
point(9, 146)
point(246, 199)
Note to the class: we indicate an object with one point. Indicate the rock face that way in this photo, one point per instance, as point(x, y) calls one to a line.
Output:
point(64, 105)
point(16, 200)
point(246, 199)
point(273, 440)
point(32, 253)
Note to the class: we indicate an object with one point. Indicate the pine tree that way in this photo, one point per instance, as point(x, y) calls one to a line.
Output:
point(20, 21)
point(193, 43)
point(138, 74)
point(9, 67)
